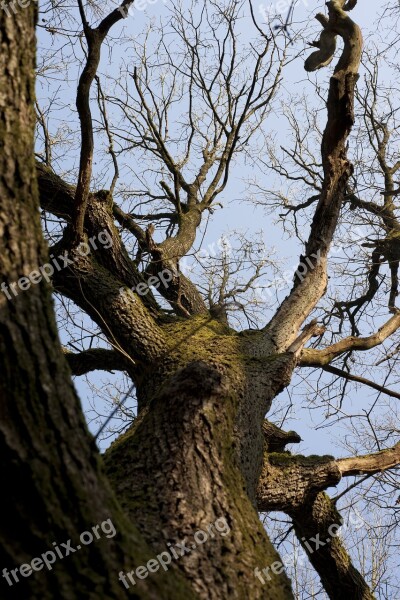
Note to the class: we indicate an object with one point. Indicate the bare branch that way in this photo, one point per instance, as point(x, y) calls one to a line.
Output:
point(97, 359)
point(370, 463)
point(94, 38)
point(363, 380)
point(319, 358)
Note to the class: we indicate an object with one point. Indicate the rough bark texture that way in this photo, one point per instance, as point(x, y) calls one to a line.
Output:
point(195, 453)
point(55, 489)
point(180, 463)
point(331, 561)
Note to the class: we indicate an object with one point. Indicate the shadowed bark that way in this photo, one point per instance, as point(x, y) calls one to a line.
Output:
point(199, 451)
point(55, 487)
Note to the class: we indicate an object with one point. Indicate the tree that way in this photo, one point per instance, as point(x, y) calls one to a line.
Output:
point(48, 458)
point(199, 451)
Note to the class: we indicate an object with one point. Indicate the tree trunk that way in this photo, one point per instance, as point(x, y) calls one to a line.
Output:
point(49, 464)
point(188, 461)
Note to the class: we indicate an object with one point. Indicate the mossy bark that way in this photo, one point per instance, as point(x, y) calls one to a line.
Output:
point(177, 473)
point(189, 461)
point(54, 487)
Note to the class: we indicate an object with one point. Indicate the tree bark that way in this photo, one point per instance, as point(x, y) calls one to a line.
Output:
point(194, 455)
point(178, 462)
point(54, 485)
point(315, 522)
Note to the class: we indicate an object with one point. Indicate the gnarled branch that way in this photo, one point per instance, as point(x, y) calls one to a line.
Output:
point(318, 358)
point(57, 197)
point(306, 292)
point(338, 23)
point(294, 484)
point(95, 38)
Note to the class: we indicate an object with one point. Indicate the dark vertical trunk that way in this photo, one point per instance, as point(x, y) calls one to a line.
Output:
point(53, 487)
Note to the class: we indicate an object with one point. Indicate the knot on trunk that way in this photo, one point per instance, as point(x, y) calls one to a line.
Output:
point(198, 379)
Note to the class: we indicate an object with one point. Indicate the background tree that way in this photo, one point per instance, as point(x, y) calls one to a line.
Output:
point(199, 448)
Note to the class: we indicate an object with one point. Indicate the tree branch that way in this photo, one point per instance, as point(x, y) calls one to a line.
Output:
point(319, 358)
point(294, 484)
point(316, 525)
point(370, 463)
point(289, 482)
point(307, 290)
point(97, 359)
point(57, 197)
point(350, 377)
point(122, 316)
point(276, 439)
point(94, 38)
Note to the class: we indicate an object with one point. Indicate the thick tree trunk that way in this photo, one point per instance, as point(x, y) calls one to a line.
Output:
point(161, 351)
point(54, 489)
point(188, 461)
